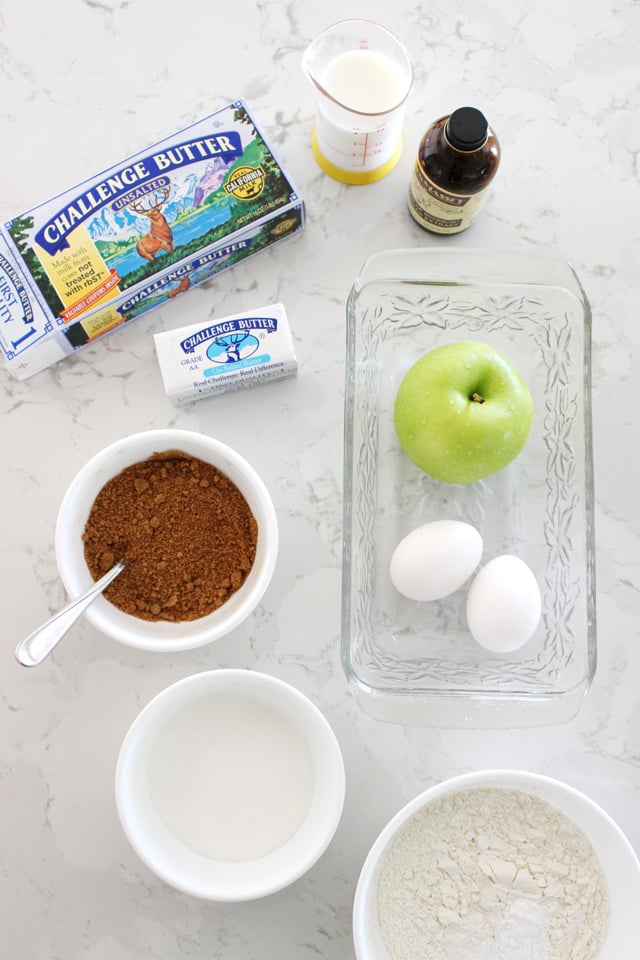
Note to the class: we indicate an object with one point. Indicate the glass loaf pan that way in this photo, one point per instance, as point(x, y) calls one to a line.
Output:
point(417, 663)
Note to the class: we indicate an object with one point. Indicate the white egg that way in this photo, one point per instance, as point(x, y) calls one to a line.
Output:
point(504, 604)
point(435, 559)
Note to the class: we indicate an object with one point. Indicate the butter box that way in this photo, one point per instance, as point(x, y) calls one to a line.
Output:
point(230, 353)
point(139, 234)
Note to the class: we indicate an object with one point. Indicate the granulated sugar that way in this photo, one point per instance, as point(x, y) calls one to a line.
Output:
point(492, 874)
point(231, 778)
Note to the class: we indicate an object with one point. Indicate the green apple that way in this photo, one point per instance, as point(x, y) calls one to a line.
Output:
point(462, 412)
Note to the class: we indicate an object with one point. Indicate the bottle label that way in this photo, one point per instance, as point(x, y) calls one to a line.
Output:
point(437, 209)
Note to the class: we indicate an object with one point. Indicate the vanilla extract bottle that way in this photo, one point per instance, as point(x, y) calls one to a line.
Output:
point(458, 157)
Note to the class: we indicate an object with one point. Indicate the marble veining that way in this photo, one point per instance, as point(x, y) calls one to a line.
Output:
point(82, 88)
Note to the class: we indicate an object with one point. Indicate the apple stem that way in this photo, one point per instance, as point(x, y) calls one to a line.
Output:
point(477, 398)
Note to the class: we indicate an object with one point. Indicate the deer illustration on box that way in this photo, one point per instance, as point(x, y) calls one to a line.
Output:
point(160, 236)
point(139, 234)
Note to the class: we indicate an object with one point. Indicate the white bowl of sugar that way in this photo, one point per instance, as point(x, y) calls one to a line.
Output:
point(230, 785)
point(494, 865)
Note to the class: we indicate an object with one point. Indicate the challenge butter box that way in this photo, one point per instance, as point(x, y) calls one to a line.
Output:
point(140, 233)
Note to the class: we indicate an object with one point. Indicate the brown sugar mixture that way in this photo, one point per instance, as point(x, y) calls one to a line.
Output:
point(185, 530)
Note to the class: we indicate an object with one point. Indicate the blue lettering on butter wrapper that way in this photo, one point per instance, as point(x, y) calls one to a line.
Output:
point(237, 365)
point(228, 334)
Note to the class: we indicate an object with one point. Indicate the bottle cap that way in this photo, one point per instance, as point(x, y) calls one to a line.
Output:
point(467, 129)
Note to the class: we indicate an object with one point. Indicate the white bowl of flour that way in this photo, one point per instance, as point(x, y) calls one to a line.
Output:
point(496, 865)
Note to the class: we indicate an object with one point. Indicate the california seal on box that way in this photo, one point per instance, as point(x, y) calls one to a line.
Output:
point(138, 235)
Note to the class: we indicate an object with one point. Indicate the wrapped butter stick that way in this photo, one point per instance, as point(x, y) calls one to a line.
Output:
point(229, 353)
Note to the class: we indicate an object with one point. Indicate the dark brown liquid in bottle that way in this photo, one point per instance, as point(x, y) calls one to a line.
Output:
point(458, 171)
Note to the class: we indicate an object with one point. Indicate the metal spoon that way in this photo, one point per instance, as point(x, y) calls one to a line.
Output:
point(40, 643)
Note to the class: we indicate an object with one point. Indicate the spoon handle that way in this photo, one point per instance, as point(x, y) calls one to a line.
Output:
point(39, 644)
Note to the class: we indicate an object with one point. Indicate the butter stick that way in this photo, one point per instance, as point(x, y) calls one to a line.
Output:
point(230, 353)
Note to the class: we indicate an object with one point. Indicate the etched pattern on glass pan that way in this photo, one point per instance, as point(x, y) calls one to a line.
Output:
point(539, 507)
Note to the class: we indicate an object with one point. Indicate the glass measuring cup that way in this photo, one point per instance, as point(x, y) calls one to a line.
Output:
point(361, 75)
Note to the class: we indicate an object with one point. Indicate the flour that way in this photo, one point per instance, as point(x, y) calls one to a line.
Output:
point(492, 874)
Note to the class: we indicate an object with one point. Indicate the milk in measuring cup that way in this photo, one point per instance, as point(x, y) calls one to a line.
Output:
point(360, 132)
point(364, 80)
point(361, 76)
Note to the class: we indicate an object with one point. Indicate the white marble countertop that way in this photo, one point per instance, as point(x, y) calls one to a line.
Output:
point(81, 89)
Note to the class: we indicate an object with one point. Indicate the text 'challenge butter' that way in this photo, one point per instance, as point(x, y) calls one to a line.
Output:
point(138, 235)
